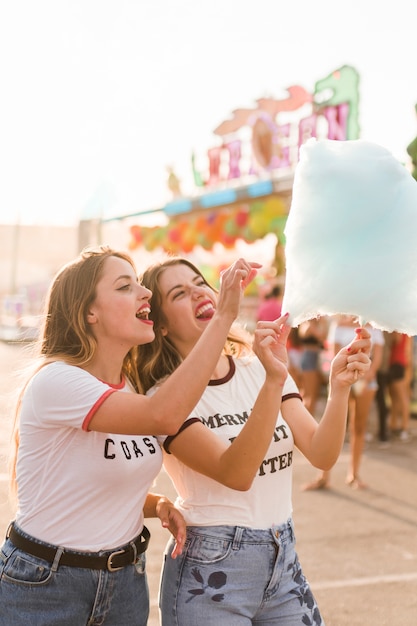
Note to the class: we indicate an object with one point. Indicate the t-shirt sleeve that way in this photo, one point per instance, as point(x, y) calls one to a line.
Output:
point(290, 387)
point(165, 440)
point(65, 395)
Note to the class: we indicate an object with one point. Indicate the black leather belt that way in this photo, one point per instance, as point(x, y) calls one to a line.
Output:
point(111, 560)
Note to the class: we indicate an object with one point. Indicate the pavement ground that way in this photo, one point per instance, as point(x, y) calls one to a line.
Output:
point(358, 548)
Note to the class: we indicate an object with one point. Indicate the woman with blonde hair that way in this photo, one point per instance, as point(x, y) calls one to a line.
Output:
point(87, 452)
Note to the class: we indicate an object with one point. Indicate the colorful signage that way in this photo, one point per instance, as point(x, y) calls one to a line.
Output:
point(224, 212)
point(331, 112)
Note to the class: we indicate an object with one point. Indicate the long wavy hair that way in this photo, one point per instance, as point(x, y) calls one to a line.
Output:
point(160, 358)
point(65, 334)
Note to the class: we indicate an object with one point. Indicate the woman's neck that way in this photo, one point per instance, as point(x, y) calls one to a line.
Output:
point(109, 370)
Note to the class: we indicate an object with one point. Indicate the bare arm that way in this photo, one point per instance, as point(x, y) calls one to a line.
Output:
point(321, 443)
point(164, 412)
point(235, 465)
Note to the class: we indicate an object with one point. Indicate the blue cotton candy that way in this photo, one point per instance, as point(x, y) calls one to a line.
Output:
point(351, 236)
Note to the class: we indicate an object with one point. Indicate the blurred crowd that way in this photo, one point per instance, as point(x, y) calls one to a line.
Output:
point(387, 389)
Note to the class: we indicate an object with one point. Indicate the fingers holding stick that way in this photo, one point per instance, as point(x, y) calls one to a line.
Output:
point(363, 336)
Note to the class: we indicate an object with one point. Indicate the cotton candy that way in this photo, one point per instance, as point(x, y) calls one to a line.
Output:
point(351, 236)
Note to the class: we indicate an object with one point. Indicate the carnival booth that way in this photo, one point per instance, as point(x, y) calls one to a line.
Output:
point(243, 183)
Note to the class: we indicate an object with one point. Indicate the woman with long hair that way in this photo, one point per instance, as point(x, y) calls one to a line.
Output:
point(231, 460)
point(86, 447)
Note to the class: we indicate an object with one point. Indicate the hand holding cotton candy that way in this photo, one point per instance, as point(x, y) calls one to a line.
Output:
point(351, 236)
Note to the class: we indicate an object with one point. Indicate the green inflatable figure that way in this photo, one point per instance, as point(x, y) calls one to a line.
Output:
point(412, 151)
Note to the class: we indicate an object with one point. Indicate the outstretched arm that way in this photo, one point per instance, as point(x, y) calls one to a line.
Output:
point(165, 411)
point(322, 442)
point(237, 464)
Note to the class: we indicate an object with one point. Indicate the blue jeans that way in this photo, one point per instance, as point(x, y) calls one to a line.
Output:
point(33, 592)
point(233, 576)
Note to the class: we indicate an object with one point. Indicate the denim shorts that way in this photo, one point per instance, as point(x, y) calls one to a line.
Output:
point(234, 576)
point(309, 360)
point(34, 592)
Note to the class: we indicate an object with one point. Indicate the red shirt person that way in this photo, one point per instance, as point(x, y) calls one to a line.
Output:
point(270, 309)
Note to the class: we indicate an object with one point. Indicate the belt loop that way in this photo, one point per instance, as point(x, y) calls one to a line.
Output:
point(57, 559)
point(135, 551)
point(10, 526)
point(237, 538)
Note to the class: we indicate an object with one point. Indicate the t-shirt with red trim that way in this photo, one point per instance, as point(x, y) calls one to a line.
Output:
point(77, 488)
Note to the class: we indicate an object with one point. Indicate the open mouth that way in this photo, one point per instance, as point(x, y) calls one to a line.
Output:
point(143, 313)
point(205, 312)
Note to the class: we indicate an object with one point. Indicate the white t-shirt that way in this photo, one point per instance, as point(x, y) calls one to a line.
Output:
point(79, 489)
point(224, 407)
point(343, 335)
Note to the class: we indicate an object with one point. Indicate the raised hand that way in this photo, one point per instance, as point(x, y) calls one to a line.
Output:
point(233, 282)
point(270, 346)
point(353, 361)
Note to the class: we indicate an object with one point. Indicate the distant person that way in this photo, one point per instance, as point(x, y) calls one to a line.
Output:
point(312, 335)
point(399, 385)
point(294, 350)
point(381, 397)
point(361, 397)
point(87, 452)
point(270, 308)
point(231, 460)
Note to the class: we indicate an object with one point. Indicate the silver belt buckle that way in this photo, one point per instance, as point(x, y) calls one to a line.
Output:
point(109, 560)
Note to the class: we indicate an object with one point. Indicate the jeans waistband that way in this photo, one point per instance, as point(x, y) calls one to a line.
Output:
point(111, 560)
point(243, 534)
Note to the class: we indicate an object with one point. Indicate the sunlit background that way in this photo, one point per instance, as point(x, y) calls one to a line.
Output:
point(102, 99)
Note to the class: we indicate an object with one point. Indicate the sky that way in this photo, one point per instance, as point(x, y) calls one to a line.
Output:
point(100, 97)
